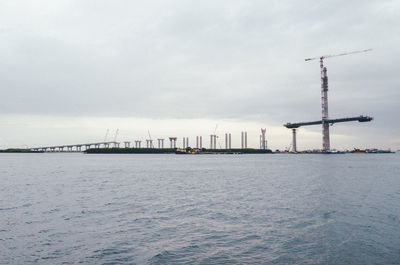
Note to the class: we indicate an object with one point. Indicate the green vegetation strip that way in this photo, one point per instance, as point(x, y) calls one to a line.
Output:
point(171, 150)
point(16, 150)
point(130, 151)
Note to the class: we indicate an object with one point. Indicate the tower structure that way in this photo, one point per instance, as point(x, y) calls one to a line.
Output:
point(244, 140)
point(326, 145)
point(324, 97)
point(199, 142)
point(228, 141)
point(263, 141)
point(213, 141)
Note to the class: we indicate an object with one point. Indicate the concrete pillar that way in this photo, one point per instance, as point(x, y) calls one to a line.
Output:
point(127, 144)
point(160, 143)
point(294, 141)
point(263, 145)
point(172, 141)
point(201, 142)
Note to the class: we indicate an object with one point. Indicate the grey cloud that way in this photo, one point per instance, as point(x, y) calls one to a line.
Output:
point(241, 59)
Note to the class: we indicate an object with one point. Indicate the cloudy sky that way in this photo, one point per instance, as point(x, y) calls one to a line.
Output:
point(70, 70)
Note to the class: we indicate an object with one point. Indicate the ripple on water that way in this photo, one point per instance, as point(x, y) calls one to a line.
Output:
point(165, 209)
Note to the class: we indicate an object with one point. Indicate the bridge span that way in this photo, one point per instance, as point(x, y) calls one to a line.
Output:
point(75, 147)
point(328, 122)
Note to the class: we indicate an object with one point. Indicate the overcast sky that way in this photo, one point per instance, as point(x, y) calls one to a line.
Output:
point(71, 69)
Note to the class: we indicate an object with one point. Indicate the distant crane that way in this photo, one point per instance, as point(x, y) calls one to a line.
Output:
point(324, 96)
point(105, 137)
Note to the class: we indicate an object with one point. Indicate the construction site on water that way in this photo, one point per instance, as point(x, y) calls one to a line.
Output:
point(325, 121)
point(114, 146)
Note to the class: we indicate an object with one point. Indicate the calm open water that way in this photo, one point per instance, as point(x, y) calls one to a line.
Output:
point(201, 209)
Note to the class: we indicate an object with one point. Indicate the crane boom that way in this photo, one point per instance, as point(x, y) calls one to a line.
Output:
point(341, 54)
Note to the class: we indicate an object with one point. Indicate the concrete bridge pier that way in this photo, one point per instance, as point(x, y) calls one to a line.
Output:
point(294, 143)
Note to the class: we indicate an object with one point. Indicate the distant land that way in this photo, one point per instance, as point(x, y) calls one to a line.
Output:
point(174, 150)
point(18, 150)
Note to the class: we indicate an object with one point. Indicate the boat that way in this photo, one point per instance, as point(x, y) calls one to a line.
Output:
point(180, 151)
point(358, 151)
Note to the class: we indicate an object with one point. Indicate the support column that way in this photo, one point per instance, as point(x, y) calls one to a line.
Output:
point(244, 140)
point(294, 141)
point(324, 100)
point(263, 144)
point(172, 141)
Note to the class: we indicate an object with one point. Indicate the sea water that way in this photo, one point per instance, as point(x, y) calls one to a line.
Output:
point(60, 208)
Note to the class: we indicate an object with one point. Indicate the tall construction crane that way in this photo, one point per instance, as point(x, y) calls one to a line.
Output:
point(324, 96)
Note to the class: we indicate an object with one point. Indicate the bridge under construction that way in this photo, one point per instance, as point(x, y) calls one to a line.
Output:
point(325, 121)
point(330, 122)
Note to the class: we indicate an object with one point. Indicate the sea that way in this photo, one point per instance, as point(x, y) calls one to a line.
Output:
point(74, 208)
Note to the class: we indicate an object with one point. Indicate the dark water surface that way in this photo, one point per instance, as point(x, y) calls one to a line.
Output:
point(201, 209)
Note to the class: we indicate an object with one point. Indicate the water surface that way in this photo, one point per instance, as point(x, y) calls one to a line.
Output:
point(200, 209)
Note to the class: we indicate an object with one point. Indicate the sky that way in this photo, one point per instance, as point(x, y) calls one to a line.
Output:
point(71, 70)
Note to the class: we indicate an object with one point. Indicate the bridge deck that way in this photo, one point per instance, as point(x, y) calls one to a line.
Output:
point(330, 121)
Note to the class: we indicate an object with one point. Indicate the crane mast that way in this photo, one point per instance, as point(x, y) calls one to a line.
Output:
point(326, 145)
